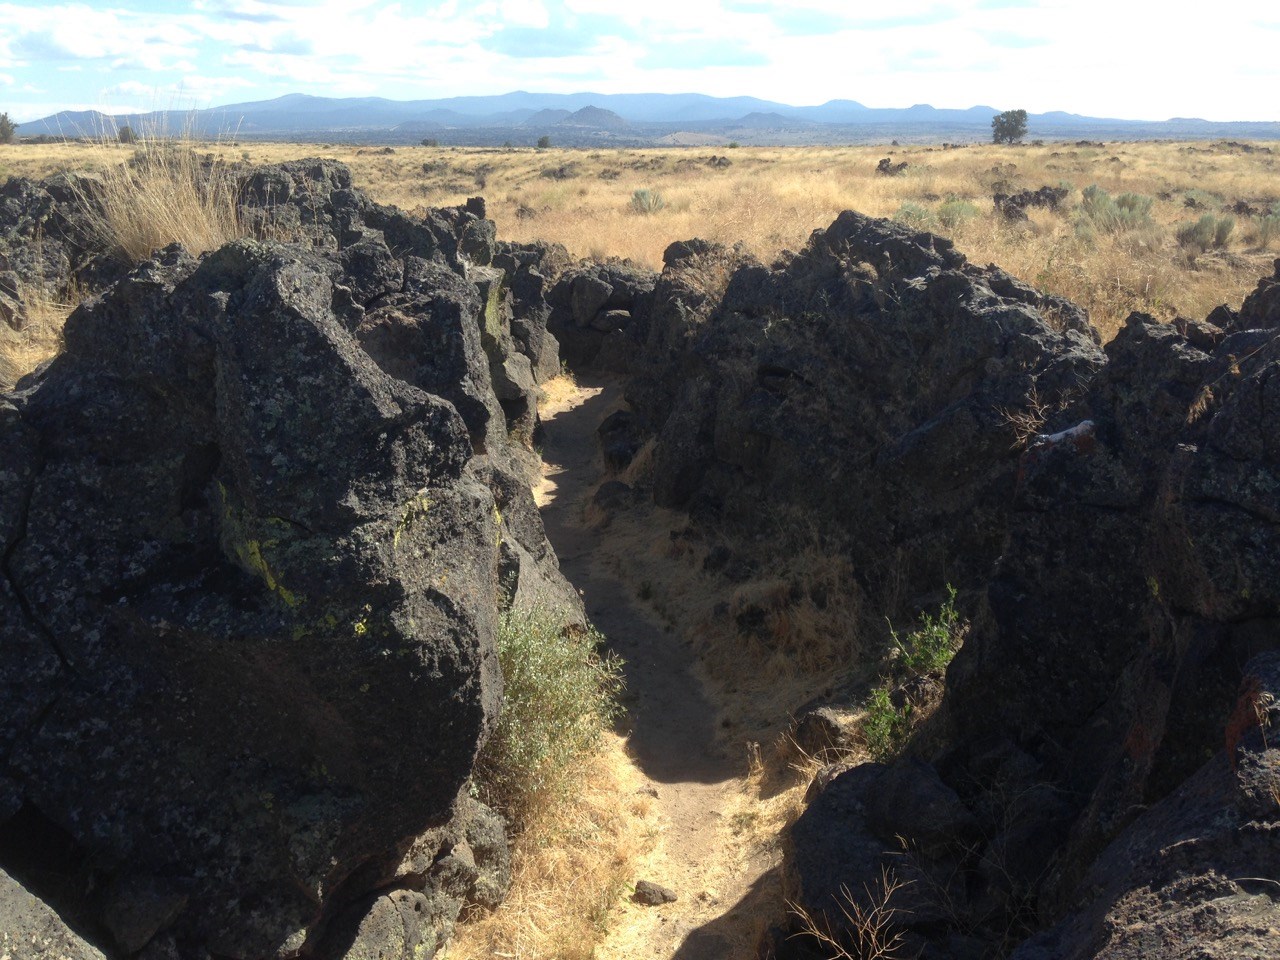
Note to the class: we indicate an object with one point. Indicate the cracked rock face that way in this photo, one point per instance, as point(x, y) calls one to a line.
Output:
point(262, 651)
point(256, 525)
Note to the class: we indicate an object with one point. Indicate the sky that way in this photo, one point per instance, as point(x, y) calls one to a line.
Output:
point(1133, 59)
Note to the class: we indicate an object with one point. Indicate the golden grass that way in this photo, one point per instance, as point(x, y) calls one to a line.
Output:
point(40, 338)
point(773, 198)
point(164, 193)
point(570, 868)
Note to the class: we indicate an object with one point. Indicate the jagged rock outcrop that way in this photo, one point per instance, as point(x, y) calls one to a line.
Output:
point(876, 362)
point(1114, 518)
point(599, 314)
point(1013, 206)
point(1195, 874)
point(1138, 576)
point(257, 524)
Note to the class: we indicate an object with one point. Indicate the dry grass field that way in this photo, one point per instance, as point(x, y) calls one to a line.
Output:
point(770, 199)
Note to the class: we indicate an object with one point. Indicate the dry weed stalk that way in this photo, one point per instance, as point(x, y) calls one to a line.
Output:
point(871, 933)
point(40, 338)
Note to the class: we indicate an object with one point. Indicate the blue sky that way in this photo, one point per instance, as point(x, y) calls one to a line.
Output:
point(1120, 58)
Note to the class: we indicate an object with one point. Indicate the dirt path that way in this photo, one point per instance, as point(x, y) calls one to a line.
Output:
point(696, 785)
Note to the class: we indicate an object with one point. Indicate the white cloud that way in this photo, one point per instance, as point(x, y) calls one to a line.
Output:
point(1088, 56)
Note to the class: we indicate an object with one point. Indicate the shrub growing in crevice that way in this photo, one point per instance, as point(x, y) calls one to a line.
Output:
point(921, 654)
point(560, 695)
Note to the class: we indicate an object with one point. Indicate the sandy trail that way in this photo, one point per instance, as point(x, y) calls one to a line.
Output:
point(695, 783)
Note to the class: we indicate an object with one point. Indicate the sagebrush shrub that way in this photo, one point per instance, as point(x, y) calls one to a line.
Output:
point(915, 216)
point(560, 693)
point(1208, 231)
point(1268, 229)
point(954, 211)
point(1129, 211)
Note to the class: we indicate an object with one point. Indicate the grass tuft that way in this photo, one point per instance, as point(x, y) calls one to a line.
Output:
point(165, 193)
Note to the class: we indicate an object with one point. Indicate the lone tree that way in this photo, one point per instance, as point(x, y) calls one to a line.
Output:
point(544, 142)
point(8, 129)
point(126, 135)
point(1009, 127)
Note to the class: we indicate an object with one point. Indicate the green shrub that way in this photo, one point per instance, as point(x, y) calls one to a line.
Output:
point(1208, 231)
point(927, 649)
point(1268, 229)
point(915, 216)
point(126, 135)
point(930, 647)
point(560, 693)
point(8, 129)
point(647, 201)
point(1129, 211)
point(953, 211)
point(1197, 235)
point(885, 727)
point(1222, 230)
point(544, 143)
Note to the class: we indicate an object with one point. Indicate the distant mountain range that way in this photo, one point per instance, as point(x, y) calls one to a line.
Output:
point(633, 119)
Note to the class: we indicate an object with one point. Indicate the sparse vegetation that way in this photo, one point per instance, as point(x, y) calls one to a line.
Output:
point(868, 931)
point(955, 212)
point(931, 645)
point(1268, 229)
point(773, 198)
point(885, 727)
point(915, 215)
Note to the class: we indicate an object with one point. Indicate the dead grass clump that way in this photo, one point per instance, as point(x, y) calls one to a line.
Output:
point(39, 337)
point(165, 193)
point(571, 865)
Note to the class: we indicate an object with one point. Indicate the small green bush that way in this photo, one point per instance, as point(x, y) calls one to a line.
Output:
point(927, 649)
point(1208, 231)
point(1268, 229)
point(1222, 230)
point(954, 211)
point(544, 143)
point(1197, 235)
point(930, 647)
point(1129, 211)
point(647, 201)
point(885, 727)
point(915, 216)
point(560, 693)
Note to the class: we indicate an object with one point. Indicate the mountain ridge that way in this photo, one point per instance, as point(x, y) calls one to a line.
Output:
point(628, 119)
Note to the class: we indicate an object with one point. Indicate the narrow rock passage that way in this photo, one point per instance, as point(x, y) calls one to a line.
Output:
point(696, 785)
